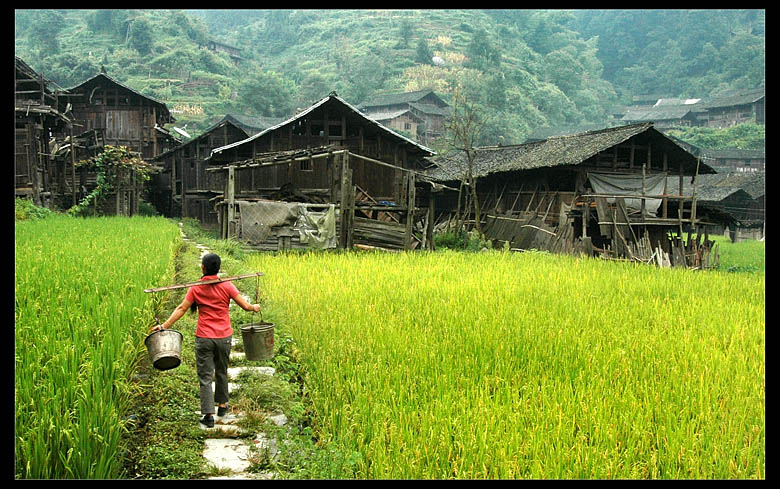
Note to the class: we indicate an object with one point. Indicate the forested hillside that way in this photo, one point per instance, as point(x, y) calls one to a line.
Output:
point(529, 70)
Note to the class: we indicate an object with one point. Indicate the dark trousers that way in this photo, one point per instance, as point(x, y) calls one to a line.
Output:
point(211, 359)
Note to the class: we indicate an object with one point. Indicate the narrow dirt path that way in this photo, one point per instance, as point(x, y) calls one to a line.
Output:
point(229, 448)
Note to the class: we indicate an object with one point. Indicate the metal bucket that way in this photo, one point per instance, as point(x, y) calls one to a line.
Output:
point(258, 341)
point(164, 348)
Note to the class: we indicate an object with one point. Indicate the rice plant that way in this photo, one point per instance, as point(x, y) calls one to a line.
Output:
point(504, 365)
point(80, 315)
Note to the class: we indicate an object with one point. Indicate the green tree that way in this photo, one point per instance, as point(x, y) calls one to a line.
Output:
point(101, 20)
point(141, 36)
point(405, 31)
point(423, 54)
point(482, 53)
point(44, 29)
point(268, 93)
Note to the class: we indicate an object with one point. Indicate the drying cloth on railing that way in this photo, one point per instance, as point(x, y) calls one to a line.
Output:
point(630, 185)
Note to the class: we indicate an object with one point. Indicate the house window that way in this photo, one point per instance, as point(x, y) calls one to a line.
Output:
point(407, 126)
point(306, 165)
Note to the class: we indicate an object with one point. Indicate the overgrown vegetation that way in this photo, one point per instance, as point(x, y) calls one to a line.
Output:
point(25, 209)
point(528, 69)
point(741, 136)
point(115, 168)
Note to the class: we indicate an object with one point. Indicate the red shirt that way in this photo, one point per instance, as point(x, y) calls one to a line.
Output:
point(213, 301)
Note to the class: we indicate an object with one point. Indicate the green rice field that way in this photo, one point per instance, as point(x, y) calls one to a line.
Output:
point(79, 312)
point(528, 365)
point(424, 365)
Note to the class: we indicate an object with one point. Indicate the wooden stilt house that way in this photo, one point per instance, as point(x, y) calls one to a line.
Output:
point(38, 119)
point(601, 193)
point(328, 176)
point(106, 112)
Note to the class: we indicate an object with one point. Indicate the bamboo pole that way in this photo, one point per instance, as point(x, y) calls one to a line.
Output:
point(204, 282)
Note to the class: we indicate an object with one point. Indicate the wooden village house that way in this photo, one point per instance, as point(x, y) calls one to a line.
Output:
point(184, 187)
point(421, 113)
point(728, 110)
point(124, 116)
point(38, 118)
point(109, 113)
point(221, 47)
point(601, 193)
point(75, 124)
point(717, 112)
point(737, 198)
point(328, 176)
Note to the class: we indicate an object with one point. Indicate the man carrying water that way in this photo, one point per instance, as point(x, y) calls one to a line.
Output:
point(213, 335)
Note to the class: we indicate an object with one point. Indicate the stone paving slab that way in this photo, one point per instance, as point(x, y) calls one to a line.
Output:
point(232, 386)
point(233, 372)
point(227, 454)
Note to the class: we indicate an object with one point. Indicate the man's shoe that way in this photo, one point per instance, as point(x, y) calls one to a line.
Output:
point(207, 420)
point(221, 411)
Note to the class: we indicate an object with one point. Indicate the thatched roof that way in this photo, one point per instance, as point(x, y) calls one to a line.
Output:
point(572, 149)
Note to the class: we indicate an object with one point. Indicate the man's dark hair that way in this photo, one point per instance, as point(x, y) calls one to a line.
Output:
point(211, 263)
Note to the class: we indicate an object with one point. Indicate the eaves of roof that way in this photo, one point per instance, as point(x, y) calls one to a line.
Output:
point(303, 113)
point(113, 80)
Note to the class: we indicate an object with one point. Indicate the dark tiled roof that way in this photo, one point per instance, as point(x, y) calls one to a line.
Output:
point(395, 98)
point(332, 98)
point(386, 115)
point(556, 151)
point(730, 100)
point(117, 82)
point(431, 109)
point(754, 183)
point(660, 113)
point(260, 123)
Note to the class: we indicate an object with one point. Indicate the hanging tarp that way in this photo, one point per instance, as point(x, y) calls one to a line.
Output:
point(268, 220)
point(317, 228)
point(630, 185)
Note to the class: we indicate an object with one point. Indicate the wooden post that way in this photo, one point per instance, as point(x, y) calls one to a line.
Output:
point(642, 206)
point(665, 201)
point(585, 217)
point(173, 180)
point(410, 194)
point(230, 198)
point(73, 164)
point(693, 202)
point(347, 202)
point(430, 223)
point(31, 148)
point(118, 180)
